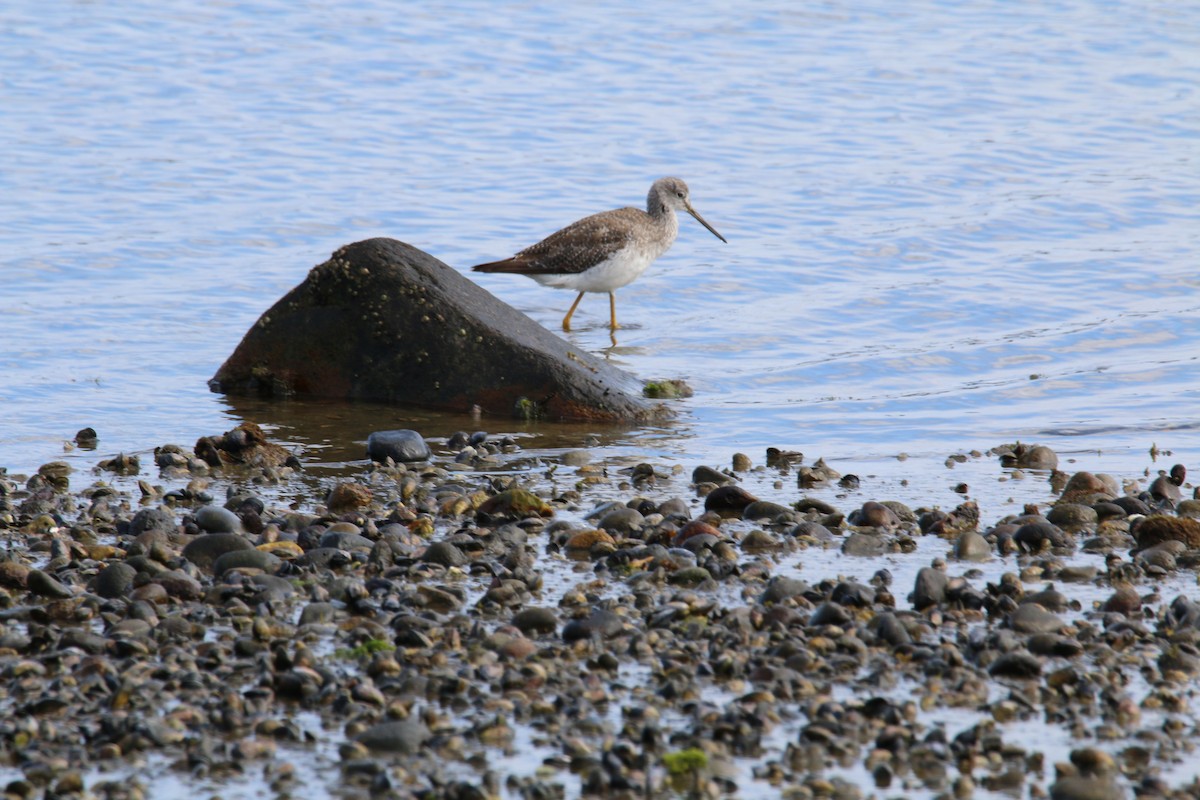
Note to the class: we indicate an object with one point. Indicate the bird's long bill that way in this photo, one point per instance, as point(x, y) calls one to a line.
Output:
point(700, 219)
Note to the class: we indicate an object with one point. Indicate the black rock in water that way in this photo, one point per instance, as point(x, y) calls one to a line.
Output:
point(384, 321)
point(400, 446)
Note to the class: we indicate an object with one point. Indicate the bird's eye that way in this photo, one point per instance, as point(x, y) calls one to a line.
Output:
point(679, 194)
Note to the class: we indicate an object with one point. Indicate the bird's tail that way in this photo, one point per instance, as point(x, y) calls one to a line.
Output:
point(507, 265)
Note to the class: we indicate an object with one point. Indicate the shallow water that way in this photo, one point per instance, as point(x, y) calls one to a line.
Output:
point(949, 226)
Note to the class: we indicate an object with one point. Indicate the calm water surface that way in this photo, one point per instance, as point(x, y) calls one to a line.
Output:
point(950, 225)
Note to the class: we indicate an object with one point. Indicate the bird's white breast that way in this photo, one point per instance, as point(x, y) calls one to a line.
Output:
point(620, 268)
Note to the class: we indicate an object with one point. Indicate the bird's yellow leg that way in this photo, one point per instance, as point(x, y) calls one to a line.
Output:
point(612, 310)
point(567, 318)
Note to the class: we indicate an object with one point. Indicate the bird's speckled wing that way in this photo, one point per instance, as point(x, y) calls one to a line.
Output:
point(575, 248)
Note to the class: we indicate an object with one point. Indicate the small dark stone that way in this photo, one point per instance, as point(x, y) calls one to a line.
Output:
point(151, 519)
point(601, 623)
point(85, 640)
point(864, 544)
point(874, 515)
point(1034, 536)
point(929, 589)
point(970, 546)
point(1033, 618)
point(728, 498)
point(1015, 664)
point(321, 557)
point(115, 580)
point(763, 509)
point(404, 736)
point(852, 593)
point(1108, 510)
point(1161, 528)
point(1052, 644)
point(217, 519)
point(207, 548)
point(813, 530)
point(689, 576)
point(888, 628)
point(345, 540)
point(179, 584)
point(705, 474)
point(45, 585)
point(1080, 787)
point(401, 446)
point(1028, 457)
point(781, 587)
point(1180, 658)
point(1165, 488)
point(319, 613)
point(531, 621)
point(830, 614)
point(1073, 516)
point(444, 553)
point(623, 521)
point(813, 504)
point(1132, 505)
point(246, 559)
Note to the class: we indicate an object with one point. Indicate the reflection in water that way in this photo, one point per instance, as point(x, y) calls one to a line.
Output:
point(333, 432)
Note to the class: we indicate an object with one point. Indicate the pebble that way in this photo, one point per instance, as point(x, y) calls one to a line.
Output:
point(151, 519)
point(865, 545)
point(971, 546)
point(622, 521)
point(704, 474)
point(1073, 517)
point(115, 580)
point(600, 623)
point(875, 515)
point(781, 587)
point(764, 509)
point(45, 585)
point(1162, 528)
point(216, 519)
point(1034, 536)
point(1034, 618)
point(404, 737)
point(205, 549)
point(246, 559)
point(1087, 788)
point(535, 621)
point(401, 446)
point(929, 588)
point(1035, 456)
point(728, 498)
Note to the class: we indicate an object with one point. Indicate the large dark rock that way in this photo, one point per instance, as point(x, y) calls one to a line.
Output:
point(384, 321)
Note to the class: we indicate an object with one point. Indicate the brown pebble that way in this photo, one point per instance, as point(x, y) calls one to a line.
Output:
point(1125, 600)
point(1161, 528)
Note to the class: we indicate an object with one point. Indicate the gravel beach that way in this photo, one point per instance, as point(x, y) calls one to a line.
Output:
point(463, 618)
